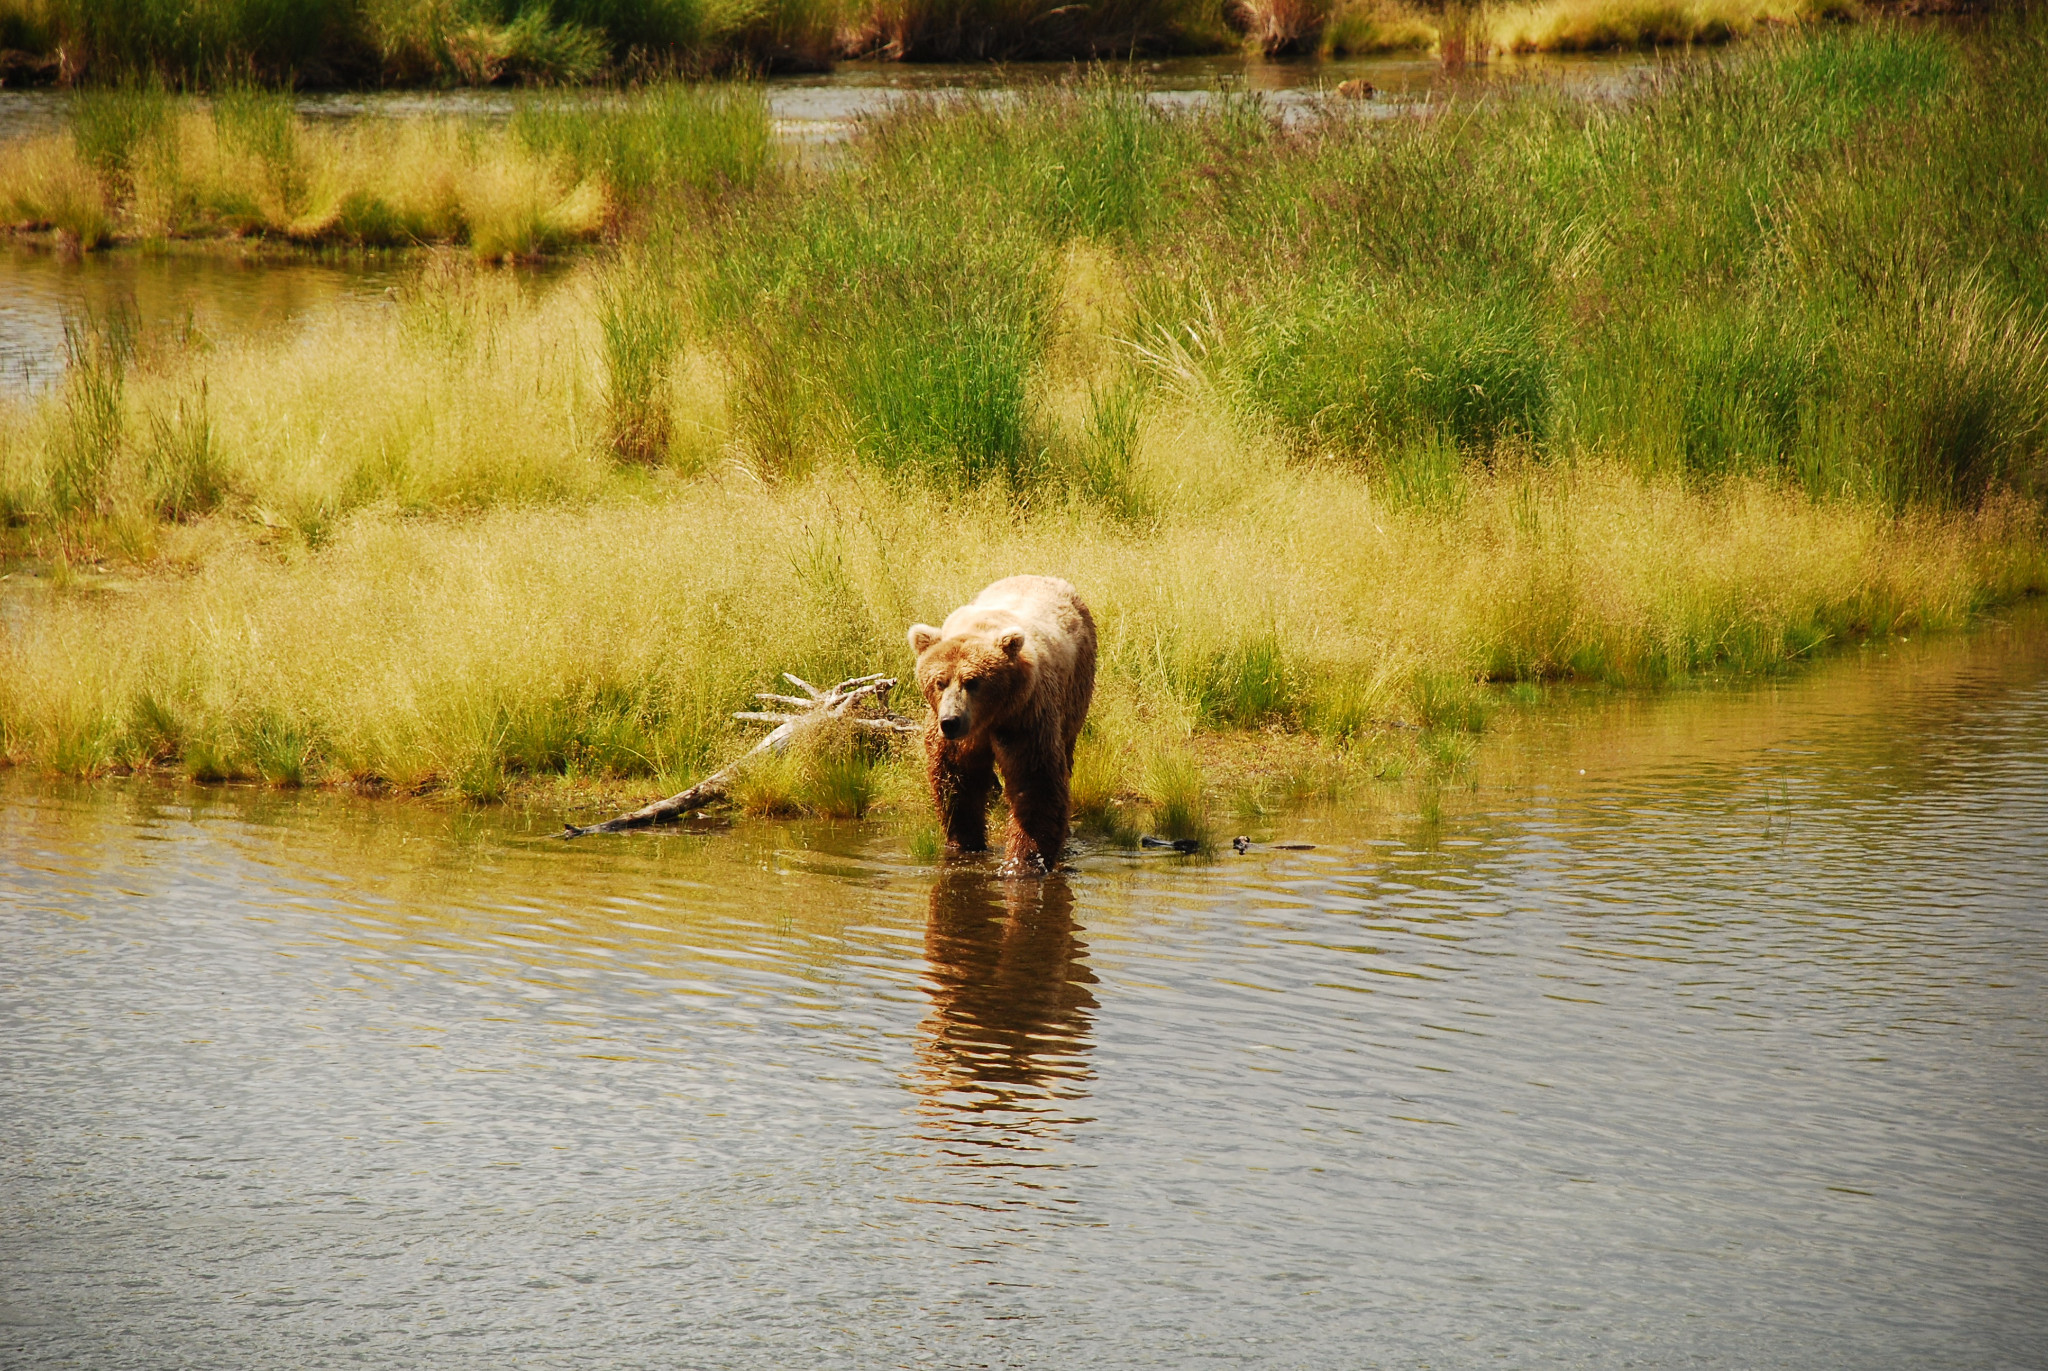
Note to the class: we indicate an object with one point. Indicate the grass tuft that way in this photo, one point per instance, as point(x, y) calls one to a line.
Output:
point(281, 750)
point(1446, 703)
point(1179, 800)
point(90, 428)
point(642, 329)
point(927, 845)
point(184, 469)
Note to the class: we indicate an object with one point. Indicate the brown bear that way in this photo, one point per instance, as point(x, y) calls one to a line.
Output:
point(1009, 678)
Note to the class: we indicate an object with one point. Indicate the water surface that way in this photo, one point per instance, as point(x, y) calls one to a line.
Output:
point(196, 295)
point(1706, 1030)
point(810, 105)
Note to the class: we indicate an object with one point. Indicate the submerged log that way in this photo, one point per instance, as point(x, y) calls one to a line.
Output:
point(815, 706)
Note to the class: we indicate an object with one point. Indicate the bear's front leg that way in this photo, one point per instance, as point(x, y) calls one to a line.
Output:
point(962, 774)
point(1035, 778)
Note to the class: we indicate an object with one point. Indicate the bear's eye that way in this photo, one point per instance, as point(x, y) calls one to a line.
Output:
point(970, 686)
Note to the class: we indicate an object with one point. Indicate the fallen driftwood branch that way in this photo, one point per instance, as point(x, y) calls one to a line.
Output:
point(816, 707)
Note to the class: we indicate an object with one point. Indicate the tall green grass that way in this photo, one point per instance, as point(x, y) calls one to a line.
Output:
point(1716, 280)
point(656, 142)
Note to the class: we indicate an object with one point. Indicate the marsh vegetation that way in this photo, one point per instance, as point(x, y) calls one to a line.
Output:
point(138, 163)
point(482, 42)
point(1340, 425)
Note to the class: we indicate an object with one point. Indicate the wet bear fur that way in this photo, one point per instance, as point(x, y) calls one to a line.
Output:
point(1009, 678)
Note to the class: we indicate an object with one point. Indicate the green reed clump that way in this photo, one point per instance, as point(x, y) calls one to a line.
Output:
point(88, 436)
point(898, 318)
point(1106, 455)
point(1445, 702)
point(184, 469)
point(1178, 797)
point(155, 731)
point(1095, 163)
point(927, 844)
point(830, 774)
point(1098, 784)
point(1967, 371)
point(115, 127)
point(1242, 685)
point(280, 749)
point(1356, 371)
point(83, 747)
point(1715, 280)
point(840, 775)
point(605, 731)
point(656, 142)
point(263, 126)
point(935, 383)
point(641, 321)
point(905, 313)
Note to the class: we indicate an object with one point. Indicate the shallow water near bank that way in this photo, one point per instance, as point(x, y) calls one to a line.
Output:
point(811, 105)
point(1707, 1028)
point(191, 295)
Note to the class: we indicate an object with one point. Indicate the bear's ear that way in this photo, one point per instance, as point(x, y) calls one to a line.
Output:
point(1012, 642)
point(922, 636)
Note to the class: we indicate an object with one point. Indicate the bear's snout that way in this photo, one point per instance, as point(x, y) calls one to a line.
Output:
point(956, 718)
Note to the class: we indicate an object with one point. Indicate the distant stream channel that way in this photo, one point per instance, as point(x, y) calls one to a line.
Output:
point(1707, 1028)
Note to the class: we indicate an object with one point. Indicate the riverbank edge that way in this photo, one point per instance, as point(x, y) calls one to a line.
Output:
point(1242, 776)
point(256, 249)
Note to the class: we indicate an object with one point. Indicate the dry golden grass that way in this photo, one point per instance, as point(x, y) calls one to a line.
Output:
point(46, 183)
point(475, 388)
point(194, 174)
point(1359, 27)
point(1583, 25)
point(1470, 32)
point(422, 650)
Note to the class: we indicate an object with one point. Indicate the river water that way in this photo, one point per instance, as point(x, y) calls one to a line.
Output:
point(1706, 1029)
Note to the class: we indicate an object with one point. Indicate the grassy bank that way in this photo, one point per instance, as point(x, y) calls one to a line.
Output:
point(612, 641)
point(139, 163)
point(482, 42)
point(1338, 427)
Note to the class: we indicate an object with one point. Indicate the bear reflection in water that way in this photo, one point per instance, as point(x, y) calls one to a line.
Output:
point(1008, 1035)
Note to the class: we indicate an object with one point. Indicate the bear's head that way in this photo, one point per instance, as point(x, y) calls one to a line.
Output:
point(972, 680)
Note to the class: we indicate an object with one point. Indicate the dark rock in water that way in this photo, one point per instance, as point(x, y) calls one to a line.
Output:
point(1177, 845)
point(1242, 844)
